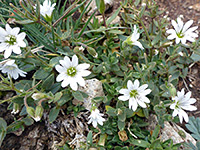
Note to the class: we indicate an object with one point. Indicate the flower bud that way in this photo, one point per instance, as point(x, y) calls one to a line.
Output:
point(172, 90)
point(78, 49)
point(92, 52)
point(15, 108)
point(37, 96)
point(38, 113)
point(30, 111)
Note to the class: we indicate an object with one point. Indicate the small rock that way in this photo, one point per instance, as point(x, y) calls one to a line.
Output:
point(170, 131)
point(93, 88)
point(116, 20)
point(92, 6)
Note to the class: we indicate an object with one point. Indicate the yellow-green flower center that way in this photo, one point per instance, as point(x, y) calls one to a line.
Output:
point(11, 39)
point(180, 34)
point(71, 71)
point(177, 105)
point(10, 67)
point(133, 93)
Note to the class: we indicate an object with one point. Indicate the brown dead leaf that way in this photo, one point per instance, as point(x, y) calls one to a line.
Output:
point(122, 135)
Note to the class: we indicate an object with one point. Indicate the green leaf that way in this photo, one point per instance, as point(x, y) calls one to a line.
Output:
point(17, 125)
point(42, 73)
point(28, 121)
point(3, 124)
point(122, 115)
point(65, 98)
point(88, 21)
point(2, 136)
point(25, 21)
point(116, 31)
point(4, 87)
point(78, 95)
point(89, 137)
point(53, 114)
point(57, 96)
point(194, 126)
point(102, 7)
point(110, 111)
point(48, 82)
point(98, 4)
point(140, 143)
point(155, 132)
point(121, 125)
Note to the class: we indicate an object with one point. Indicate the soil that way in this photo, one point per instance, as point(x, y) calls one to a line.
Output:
point(37, 136)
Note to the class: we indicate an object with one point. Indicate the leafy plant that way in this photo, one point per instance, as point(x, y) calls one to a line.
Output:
point(194, 126)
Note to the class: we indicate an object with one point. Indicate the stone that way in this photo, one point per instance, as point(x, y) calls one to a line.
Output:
point(173, 132)
point(93, 88)
point(170, 131)
point(92, 7)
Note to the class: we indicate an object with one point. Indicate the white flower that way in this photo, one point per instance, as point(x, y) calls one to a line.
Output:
point(96, 117)
point(46, 9)
point(12, 70)
point(182, 102)
point(135, 94)
point(37, 96)
point(72, 73)
point(134, 38)
point(11, 40)
point(182, 33)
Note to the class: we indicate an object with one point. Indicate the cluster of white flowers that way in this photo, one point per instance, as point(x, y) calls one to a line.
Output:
point(133, 39)
point(71, 72)
point(136, 94)
point(11, 40)
point(96, 117)
point(182, 33)
point(46, 9)
point(12, 69)
point(182, 102)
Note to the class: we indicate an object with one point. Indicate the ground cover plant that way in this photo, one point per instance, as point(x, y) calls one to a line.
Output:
point(47, 54)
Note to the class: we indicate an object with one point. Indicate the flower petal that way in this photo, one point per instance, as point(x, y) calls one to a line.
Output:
point(133, 104)
point(8, 28)
point(123, 98)
point(80, 81)
point(60, 69)
point(61, 77)
point(124, 91)
point(142, 104)
point(74, 60)
point(136, 84)
point(187, 25)
point(15, 31)
point(85, 73)
point(137, 43)
point(3, 46)
point(17, 50)
point(73, 85)
point(83, 66)
point(7, 52)
point(65, 82)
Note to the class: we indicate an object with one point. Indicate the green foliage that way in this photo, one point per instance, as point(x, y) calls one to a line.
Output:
point(194, 126)
point(113, 60)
